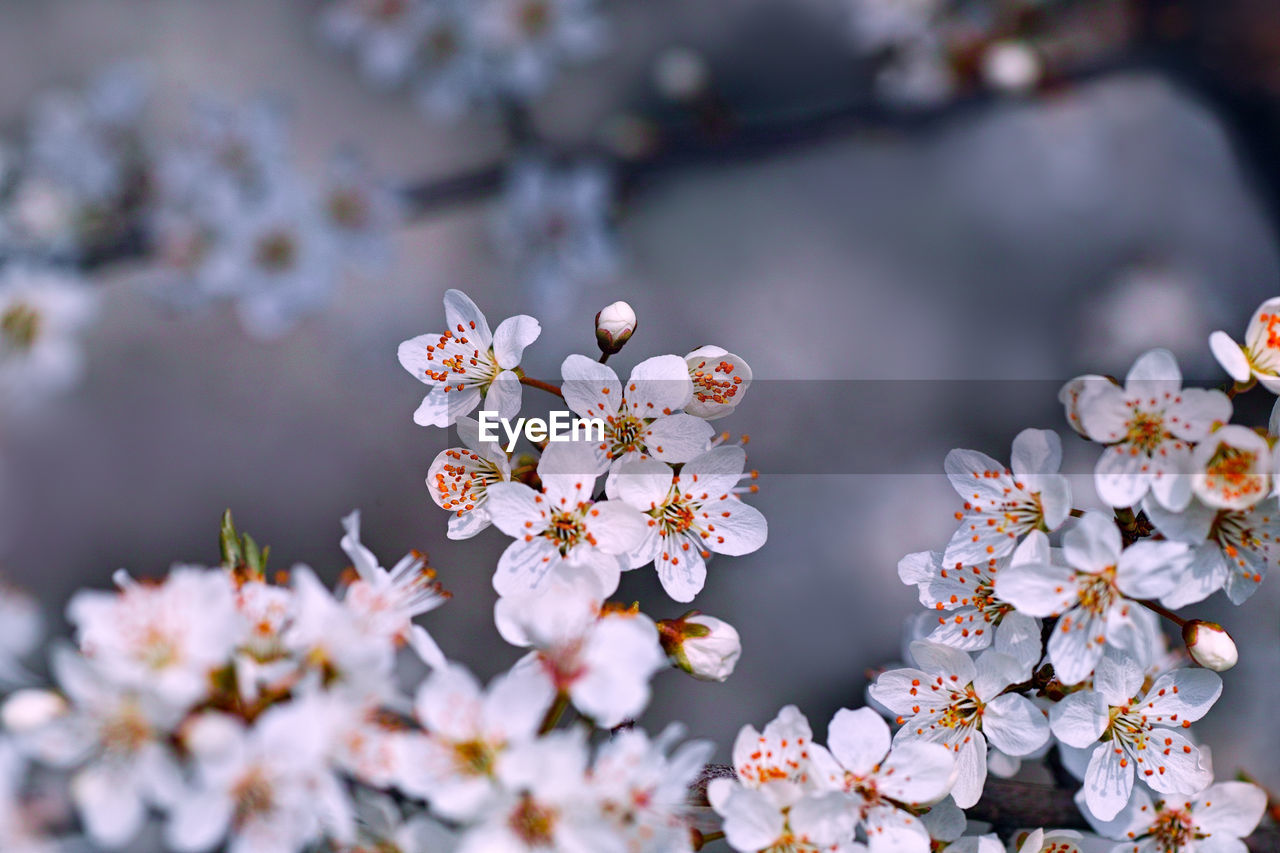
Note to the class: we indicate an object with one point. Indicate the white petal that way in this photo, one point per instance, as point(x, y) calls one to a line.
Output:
point(1233, 809)
point(971, 767)
point(943, 660)
point(466, 319)
point(1014, 725)
point(917, 772)
point(1093, 542)
point(859, 739)
point(678, 438)
point(590, 389)
point(504, 395)
point(1230, 356)
point(659, 386)
point(1184, 694)
point(511, 337)
point(1121, 476)
point(524, 566)
point(1150, 569)
point(1108, 781)
point(735, 528)
point(1036, 451)
point(1156, 366)
point(1038, 590)
point(1080, 718)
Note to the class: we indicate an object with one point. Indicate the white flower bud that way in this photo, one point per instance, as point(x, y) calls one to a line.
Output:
point(1011, 66)
point(27, 710)
point(680, 74)
point(703, 646)
point(614, 325)
point(1210, 645)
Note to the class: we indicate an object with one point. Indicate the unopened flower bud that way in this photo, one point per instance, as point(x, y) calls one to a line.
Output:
point(1011, 66)
point(614, 325)
point(1210, 645)
point(703, 646)
point(27, 710)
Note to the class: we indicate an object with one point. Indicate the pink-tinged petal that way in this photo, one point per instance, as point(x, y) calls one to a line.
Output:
point(1036, 451)
point(859, 739)
point(441, 408)
point(591, 389)
point(944, 661)
point(1151, 569)
point(517, 510)
point(642, 484)
point(891, 830)
point(1075, 394)
point(1014, 725)
point(1230, 356)
point(616, 527)
point(659, 386)
point(512, 336)
point(449, 704)
point(465, 318)
point(733, 527)
point(1156, 368)
point(1093, 542)
point(1038, 590)
point(1122, 475)
point(524, 566)
point(713, 473)
point(971, 770)
point(1171, 764)
point(917, 772)
point(1108, 782)
point(678, 438)
point(1182, 695)
point(681, 568)
point(1196, 411)
point(1118, 679)
point(1233, 809)
point(504, 395)
point(1076, 645)
point(1080, 718)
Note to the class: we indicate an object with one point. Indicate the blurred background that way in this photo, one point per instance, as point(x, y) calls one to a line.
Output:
point(914, 221)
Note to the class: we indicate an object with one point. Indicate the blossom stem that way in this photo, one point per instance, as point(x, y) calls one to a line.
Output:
point(1156, 607)
point(604, 356)
point(702, 839)
point(538, 383)
point(554, 713)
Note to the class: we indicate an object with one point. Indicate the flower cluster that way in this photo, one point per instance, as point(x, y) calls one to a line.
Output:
point(228, 708)
point(454, 54)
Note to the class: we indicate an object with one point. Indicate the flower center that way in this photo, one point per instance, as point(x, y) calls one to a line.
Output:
point(566, 530)
point(624, 433)
point(1233, 473)
point(125, 732)
point(1173, 831)
point(349, 209)
point(1146, 431)
point(20, 326)
point(462, 364)
point(534, 17)
point(461, 484)
point(253, 796)
point(964, 711)
point(715, 383)
point(532, 823)
point(475, 757)
point(277, 251)
point(1098, 591)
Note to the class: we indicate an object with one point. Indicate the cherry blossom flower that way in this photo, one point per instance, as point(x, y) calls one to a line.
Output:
point(644, 785)
point(883, 783)
point(524, 41)
point(117, 737)
point(459, 479)
point(162, 638)
point(383, 34)
point(268, 787)
point(1231, 469)
point(1259, 357)
point(967, 612)
point(1001, 505)
point(1094, 593)
point(547, 803)
point(382, 825)
point(454, 763)
point(1136, 733)
point(333, 639)
point(388, 600)
point(720, 381)
point(1231, 549)
point(783, 798)
point(1215, 819)
point(601, 660)
point(43, 313)
point(690, 516)
point(1149, 427)
point(468, 363)
point(954, 701)
point(644, 420)
point(560, 526)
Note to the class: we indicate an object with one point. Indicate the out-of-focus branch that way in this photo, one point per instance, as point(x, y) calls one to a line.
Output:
point(1008, 806)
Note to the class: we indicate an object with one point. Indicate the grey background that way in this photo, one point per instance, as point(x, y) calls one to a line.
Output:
point(1023, 241)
